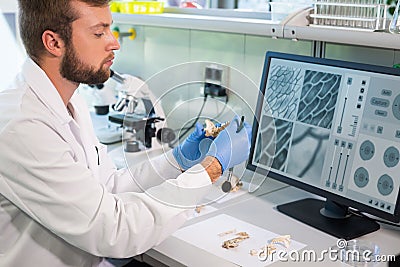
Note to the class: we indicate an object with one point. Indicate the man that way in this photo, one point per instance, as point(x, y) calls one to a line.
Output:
point(62, 202)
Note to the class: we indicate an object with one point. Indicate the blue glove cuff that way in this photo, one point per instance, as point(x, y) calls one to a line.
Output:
point(183, 161)
point(186, 160)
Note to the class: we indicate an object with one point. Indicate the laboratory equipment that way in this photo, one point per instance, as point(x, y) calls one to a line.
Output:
point(135, 111)
point(102, 96)
point(134, 116)
point(395, 22)
point(367, 15)
point(336, 133)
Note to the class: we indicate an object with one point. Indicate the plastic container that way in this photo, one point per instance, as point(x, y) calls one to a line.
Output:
point(114, 6)
point(279, 10)
point(140, 7)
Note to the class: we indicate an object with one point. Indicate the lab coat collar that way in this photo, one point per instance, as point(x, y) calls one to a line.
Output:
point(45, 90)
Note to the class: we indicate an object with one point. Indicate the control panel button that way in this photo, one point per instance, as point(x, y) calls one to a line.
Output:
point(381, 113)
point(361, 177)
point(385, 185)
point(350, 145)
point(380, 102)
point(349, 81)
point(391, 157)
point(386, 92)
point(396, 107)
point(367, 150)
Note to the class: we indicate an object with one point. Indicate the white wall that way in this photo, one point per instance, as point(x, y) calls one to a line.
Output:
point(13, 55)
point(9, 5)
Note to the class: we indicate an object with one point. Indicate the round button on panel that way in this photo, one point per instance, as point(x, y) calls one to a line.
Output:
point(396, 107)
point(385, 185)
point(391, 157)
point(367, 150)
point(361, 177)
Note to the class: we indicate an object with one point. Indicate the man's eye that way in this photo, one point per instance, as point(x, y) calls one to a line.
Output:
point(99, 34)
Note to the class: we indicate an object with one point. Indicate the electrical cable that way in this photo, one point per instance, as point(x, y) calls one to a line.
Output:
point(223, 109)
point(212, 119)
point(187, 129)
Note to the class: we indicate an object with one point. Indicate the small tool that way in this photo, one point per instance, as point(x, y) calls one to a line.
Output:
point(227, 185)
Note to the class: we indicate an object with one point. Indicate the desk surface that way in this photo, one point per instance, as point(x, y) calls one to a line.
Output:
point(261, 211)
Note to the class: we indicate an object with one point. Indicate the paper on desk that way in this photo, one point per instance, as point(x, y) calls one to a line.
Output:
point(204, 235)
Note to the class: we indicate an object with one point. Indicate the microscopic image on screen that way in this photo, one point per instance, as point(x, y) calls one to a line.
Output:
point(318, 98)
point(265, 147)
point(277, 150)
point(283, 91)
point(307, 153)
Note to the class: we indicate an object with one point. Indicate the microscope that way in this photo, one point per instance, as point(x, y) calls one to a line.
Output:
point(136, 112)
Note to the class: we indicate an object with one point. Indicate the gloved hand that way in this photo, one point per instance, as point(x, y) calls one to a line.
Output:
point(230, 147)
point(193, 150)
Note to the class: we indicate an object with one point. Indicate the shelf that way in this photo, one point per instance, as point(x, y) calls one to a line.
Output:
point(295, 26)
point(217, 20)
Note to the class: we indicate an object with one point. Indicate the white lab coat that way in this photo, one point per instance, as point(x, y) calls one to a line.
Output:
point(64, 204)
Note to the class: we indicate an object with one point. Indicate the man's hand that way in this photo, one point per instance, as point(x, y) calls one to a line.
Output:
point(193, 150)
point(232, 145)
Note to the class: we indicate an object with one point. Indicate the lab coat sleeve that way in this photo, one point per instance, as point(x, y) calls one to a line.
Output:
point(146, 174)
point(44, 179)
point(138, 176)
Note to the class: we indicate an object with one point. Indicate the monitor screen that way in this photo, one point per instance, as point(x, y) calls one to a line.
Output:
point(331, 128)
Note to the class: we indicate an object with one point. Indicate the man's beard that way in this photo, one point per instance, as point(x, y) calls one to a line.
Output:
point(73, 69)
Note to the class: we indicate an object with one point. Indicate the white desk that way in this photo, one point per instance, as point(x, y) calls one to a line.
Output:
point(261, 211)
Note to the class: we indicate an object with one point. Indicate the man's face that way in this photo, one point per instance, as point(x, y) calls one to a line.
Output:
point(90, 54)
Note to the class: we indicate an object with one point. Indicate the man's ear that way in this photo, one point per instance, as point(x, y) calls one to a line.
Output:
point(53, 43)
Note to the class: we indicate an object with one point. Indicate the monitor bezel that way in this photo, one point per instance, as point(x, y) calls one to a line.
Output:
point(395, 217)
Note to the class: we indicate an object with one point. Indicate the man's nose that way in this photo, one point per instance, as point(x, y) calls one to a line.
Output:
point(114, 43)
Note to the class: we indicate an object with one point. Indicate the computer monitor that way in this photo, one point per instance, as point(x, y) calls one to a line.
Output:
point(331, 128)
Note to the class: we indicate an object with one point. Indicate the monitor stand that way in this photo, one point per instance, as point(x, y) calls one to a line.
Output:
point(329, 217)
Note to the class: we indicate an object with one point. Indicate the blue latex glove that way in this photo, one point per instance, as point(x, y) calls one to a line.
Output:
point(193, 150)
point(230, 147)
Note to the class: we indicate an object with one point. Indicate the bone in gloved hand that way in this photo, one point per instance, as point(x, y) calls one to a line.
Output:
point(232, 147)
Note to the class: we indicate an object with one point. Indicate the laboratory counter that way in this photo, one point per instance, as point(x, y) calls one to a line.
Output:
point(260, 212)
point(198, 243)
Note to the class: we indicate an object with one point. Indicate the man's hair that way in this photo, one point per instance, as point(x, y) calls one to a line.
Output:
point(37, 16)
